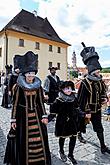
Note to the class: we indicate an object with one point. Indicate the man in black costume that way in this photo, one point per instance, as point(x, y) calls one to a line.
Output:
point(92, 93)
point(51, 88)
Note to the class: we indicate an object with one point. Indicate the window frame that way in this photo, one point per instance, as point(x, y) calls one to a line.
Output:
point(50, 48)
point(37, 45)
point(58, 49)
point(21, 42)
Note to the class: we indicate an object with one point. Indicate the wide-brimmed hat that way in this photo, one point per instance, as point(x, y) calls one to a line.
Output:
point(27, 62)
point(50, 68)
point(65, 84)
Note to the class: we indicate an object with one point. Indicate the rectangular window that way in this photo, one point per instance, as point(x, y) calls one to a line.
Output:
point(50, 48)
point(37, 45)
point(21, 42)
point(50, 64)
point(59, 50)
point(58, 65)
point(0, 52)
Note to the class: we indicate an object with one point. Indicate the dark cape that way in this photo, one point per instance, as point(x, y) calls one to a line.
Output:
point(68, 115)
point(30, 145)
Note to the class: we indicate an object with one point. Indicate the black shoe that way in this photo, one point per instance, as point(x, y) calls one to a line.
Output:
point(72, 159)
point(63, 156)
point(105, 150)
point(81, 139)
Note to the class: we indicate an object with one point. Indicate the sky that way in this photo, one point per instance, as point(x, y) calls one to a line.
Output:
point(75, 21)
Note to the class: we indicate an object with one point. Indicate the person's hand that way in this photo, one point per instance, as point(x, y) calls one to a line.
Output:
point(45, 121)
point(9, 93)
point(46, 97)
point(13, 125)
point(88, 116)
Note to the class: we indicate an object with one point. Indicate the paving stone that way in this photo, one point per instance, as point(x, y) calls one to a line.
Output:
point(85, 154)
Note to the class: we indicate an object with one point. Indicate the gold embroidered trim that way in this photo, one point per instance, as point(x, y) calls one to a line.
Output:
point(35, 145)
point(31, 114)
point(33, 127)
point(35, 150)
point(36, 156)
point(36, 160)
point(30, 93)
point(15, 105)
point(34, 139)
point(33, 120)
point(34, 133)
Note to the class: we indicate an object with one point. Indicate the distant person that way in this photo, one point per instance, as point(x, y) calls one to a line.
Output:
point(5, 99)
point(51, 88)
point(13, 80)
point(2, 82)
point(14, 76)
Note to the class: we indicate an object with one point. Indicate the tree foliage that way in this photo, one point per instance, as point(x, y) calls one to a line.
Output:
point(105, 70)
point(74, 74)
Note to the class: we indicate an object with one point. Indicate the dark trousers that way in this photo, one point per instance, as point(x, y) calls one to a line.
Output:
point(97, 127)
point(72, 143)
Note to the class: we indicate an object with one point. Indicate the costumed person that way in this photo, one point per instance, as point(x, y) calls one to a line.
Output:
point(68, 117)
point(51, 88)
point(2, 82)
point(6, 100)
point(107, 110)
point(28, 130)
point(92, 94)
point(15, 74)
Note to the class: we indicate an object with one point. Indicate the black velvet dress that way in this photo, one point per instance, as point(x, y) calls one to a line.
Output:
point(68, 115)
point(31, 140)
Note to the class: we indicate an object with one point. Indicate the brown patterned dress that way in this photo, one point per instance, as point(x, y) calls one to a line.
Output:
point(31, 134)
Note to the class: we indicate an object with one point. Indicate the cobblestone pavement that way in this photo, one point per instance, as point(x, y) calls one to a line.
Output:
point(85, 154)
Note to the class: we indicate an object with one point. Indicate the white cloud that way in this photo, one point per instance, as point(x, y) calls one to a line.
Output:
point(74, 21)
point(8, 9)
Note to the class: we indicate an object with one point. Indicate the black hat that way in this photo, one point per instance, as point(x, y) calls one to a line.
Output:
point(27, 63)
point(64, 84)
point(90, 58)
point(8, 69)
point(50, 68)
point(17, 60)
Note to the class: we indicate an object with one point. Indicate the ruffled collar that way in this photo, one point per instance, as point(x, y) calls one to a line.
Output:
point(94, 78)
point(23, 84)
point(66, 98)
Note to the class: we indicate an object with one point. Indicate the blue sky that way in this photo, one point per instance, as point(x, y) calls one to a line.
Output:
point(74, 21)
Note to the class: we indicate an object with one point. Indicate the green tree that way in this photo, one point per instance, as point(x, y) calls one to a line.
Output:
point(74, 74)
point(105, 70)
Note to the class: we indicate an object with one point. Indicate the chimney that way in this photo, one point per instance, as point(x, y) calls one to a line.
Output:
point(35, 13)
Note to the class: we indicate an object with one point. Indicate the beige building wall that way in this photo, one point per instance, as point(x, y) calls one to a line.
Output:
point(2, 46)
point(44, 55)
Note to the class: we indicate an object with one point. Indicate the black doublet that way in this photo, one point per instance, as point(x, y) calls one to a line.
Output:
point(53, 88)
point(94, 92)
